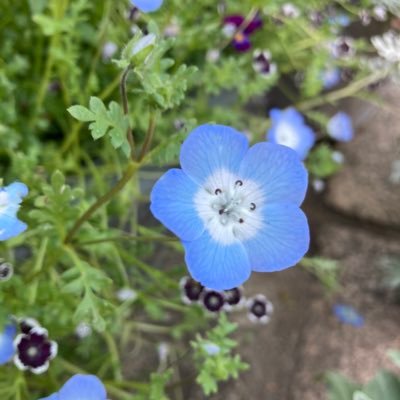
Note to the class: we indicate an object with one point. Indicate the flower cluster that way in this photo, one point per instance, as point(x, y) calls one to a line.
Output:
point(259, 308)
point(235, 208)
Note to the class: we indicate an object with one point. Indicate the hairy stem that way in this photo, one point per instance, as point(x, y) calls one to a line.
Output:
point(149, 135)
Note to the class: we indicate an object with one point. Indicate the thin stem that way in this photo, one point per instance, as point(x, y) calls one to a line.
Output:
point(149, 135)
point(125, 106)
point(341, 93)
point(114, 355)
point(129, 237)
point(132, 168)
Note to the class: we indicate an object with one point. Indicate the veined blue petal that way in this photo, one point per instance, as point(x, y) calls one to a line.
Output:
point(278, 171)
point(83, 387)
point(6, 343)
point(283, 240)
point(217, 266)
point(288, 128)
point(210, 148)
point(172, 203)
point(340, 127)
point(147, 5)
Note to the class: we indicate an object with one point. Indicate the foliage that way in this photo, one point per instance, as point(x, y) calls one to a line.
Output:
point(87, 236)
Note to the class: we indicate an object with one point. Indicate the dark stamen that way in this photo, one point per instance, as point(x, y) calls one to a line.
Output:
point(218, 191)
point(239, 183)
point(221, 211)
point(241, 220)
point(252, 206)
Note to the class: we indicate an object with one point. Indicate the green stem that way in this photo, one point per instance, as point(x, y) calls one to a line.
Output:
point(114, 356)
point(130, 237)
point(131, 170)
point(339, 94)
point(149, 135)
point(125, 106)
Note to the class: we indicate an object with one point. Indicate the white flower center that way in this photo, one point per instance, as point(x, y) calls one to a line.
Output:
point(3, 201)
point(230, 207)
point(287, 136)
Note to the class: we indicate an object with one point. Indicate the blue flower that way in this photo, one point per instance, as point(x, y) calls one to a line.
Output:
point(288, 128)
point(348, 315)
point(147, 5)
point(235, 208)
point(6, 343)
point(10, 199)
point(340, 127)
point(82, 387)
point(331, 77)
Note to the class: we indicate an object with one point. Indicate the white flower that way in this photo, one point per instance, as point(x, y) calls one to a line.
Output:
point(380, 13)
point(289, 10)
point(126, 294)
point(318, 185)
point(109, 49)
point(83, 330)
point(392, 5)
point(213, 55)
point(388, 46)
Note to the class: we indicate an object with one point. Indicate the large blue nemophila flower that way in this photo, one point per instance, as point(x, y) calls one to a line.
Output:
point(235, 208)
point(147, 5)
point(289, 129)
point(340, 127)
point(6, 343)
point(10, 200)
point(81, 387)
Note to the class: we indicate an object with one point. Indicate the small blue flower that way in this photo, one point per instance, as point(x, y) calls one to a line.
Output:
point(330, 77)
point(288, 128)
point(340, 127)
point(82, 387)
point(235, 208)
point(10, 199)
point(348, 315)
point(147, 5)
point(211, 349)
point(340, 19)
point(6, 343)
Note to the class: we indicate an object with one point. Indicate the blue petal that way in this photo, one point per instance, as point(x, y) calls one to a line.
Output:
point(283, 240)
point(83, 387)
point(16, 191)
point(340, 127)
point(288, 128)
point(54, 396)
point(172, 204)
point(348, 315)
point(279, 172)
point(217, 266)
point(10, 227)
point(147, 5)
point(331, 77)
point(6, 343)
point(212, 147)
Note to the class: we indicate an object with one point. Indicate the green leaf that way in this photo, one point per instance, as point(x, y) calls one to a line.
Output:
point(111, 121)
point(320, 162)
point(385, 385)
point(394, 355)
point(339, 388)
point(81, 113)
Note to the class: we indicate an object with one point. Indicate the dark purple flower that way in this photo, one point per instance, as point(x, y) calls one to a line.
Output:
point(6, 271)
point(191, 290)
point(233, 298)
point(27, 324)
point(235, 27)
point(259, 309)
point(262, 63)
point(34, 350)
point(213, 301)
point(343, 47)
